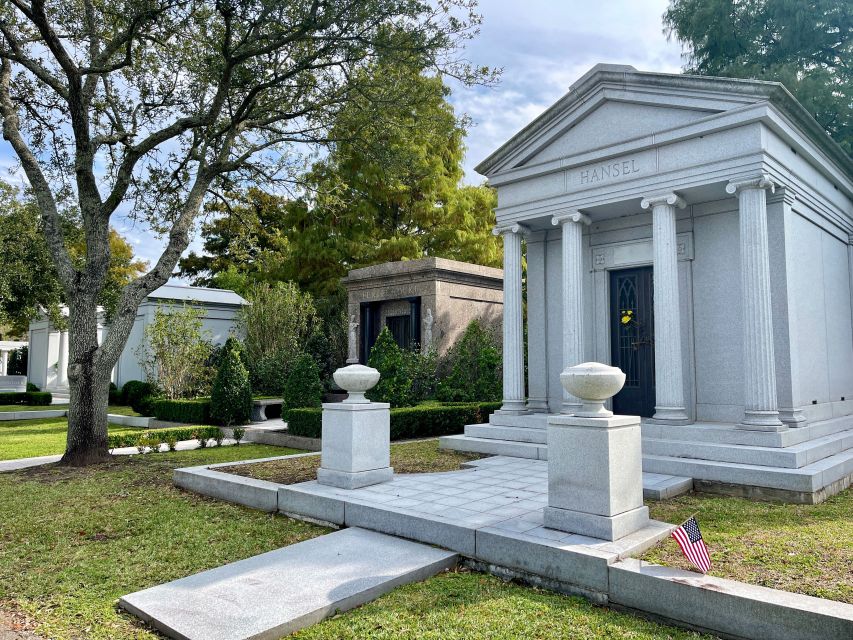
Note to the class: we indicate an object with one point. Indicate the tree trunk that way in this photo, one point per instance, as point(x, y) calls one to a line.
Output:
point(88, 381)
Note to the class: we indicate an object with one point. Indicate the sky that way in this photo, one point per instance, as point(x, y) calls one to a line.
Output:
point(543, 46)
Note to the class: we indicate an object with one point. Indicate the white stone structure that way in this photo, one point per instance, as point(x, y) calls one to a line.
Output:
point(47, 364)
point(356, 434)
point(697, 233)
point(6, 348)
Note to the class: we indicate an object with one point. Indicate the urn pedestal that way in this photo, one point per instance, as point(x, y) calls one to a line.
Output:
point(595, 475)
point(356, 450)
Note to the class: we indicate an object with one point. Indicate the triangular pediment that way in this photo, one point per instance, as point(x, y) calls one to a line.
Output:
point(611, 123)
point(612, 104)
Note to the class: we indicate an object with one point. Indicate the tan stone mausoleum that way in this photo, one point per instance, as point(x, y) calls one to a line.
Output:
point(696, 233)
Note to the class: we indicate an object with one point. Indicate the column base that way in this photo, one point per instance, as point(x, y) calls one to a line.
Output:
point(670, 415)
point(793, 418)
point(596, 526)
point(537, 405)
point(354, 479)
point(513, 407)
point(761, 421)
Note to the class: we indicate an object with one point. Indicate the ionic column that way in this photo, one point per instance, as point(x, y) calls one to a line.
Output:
point(537, 349)
point(760, 404)
point(572, 223)
point(62, 366)
point(669, 378)
point(513, 327)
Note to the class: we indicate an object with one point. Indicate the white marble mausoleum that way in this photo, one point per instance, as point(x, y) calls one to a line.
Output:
point(697, 233)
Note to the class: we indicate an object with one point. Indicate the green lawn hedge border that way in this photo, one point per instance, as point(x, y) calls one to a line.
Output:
point(421, 421)
point(31, 398)
point(196, 411)
point(164, 435)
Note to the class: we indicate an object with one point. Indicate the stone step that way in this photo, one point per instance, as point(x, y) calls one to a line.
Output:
point(277, 593)
point(792, 457)
point(515, 434)
point(807, 479)
point(522, 421)
point(489, 446)
point(719, 433)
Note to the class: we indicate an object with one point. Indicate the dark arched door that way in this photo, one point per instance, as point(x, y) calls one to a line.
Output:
point(632, 339)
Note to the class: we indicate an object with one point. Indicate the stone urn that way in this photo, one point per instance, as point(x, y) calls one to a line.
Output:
point(593, 384)
point(356, 379)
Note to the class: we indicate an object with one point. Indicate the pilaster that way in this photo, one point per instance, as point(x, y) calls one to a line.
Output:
point(537, 348)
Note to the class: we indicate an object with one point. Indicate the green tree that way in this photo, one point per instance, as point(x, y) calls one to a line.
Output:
point(471, 369)
point(28, 279)
point(231, 395)
point(175, 351)
point(395, 383)
point(276, 326)
point(805, 44)
point(154, 106)
point(245, 241)
point(303, 387)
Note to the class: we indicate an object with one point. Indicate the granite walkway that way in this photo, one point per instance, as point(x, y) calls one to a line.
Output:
point(276, 593)
point(24, 463)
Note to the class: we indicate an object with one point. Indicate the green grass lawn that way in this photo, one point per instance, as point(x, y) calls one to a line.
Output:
point(41, 437)
point(75, 540)
point(801, 548)
point(30, 407)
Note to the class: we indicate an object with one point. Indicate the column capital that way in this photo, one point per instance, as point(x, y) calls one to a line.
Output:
point(570, 216)
point(511, 227)
point(762, 181)
point(671, 198)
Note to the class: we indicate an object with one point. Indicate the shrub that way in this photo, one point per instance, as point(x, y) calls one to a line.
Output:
point(422, 421)
point(268, 373)
point(231, 396)
point(134, 392)
point(115, 394)
point(471, 370)
point(202, 438)
point(395, 384)
point(32, 398)
point(32, 387)
point(238, 433)
point(191, 411)
point(303, 387)
point(169, 436)
point(175, 350)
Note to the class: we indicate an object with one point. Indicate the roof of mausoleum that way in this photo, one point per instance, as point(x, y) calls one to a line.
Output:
point(201, 295)
point(714, 95)
point(441, 267)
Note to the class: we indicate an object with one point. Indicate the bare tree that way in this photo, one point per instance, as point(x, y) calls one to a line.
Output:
point(146, 107)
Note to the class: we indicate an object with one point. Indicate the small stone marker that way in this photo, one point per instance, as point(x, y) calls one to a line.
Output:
point(595, 475)
point(356, 434)
point(274, 594)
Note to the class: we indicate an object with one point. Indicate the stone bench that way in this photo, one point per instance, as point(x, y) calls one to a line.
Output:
point(13, 384)
point(259, 408)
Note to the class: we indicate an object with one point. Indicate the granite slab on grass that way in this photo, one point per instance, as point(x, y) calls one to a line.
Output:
point(276, 593)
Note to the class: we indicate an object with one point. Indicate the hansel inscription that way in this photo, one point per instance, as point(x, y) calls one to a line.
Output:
point(608, 171)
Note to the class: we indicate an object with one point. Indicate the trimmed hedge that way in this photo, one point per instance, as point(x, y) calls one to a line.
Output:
point(135, 394)
point(31, 398)
point(422, 421)
point(195, 411)
point(135, 439)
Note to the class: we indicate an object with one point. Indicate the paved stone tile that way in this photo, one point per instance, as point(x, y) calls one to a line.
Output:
point(279, 592)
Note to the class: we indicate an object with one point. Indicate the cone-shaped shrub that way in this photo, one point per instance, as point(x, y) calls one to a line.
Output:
point(303, 387)
point(472, 368)
point(395, 383)
point(231, 396)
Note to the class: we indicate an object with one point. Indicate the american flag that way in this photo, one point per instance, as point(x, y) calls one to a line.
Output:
point(689, 538)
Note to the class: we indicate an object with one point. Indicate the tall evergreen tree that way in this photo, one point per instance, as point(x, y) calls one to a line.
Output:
point(805, 44)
